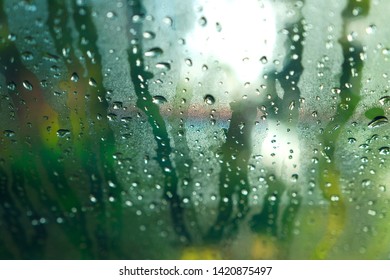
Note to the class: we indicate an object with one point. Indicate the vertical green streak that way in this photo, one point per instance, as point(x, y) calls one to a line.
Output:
point(11, 216)
point(145, 102)
point(106, 144)
point(61, 34)
point(350, 86)
point(20, 182)
point(289, 105)
point(74, 227)
point(290, 114)
point(233, 177)
point(181, 153)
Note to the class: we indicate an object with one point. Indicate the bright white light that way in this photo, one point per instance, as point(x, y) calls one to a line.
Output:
point(239, 34)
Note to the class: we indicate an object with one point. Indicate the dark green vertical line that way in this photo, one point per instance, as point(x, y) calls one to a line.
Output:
point(293, 65)
point(349, 91)
point(182, 157)
point(350, 85)
point(87, 43)
point(233, 179)
point(74, 227)
point(58, 26)
point(145, 102)
point(11, 217)
point(11, 66)
point(93, 162)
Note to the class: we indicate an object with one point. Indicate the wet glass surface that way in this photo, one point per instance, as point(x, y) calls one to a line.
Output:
point(194, 129)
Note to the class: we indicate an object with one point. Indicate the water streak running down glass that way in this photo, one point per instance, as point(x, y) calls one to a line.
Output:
point(197, 129)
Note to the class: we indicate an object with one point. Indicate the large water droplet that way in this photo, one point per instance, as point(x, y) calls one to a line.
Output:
point(209, 99)
point(117, 105)
point(384, 100)
point(168, 21)
point(92, 82)
point(158, 99)
point(371, 29)
point(8, 133)
point(291, 106)
point(148, 35)
point(264, 60)
point(336, 90)
point(163, 66)
point(63, 132)
point(153, 52)
point(188, 62)
point(27, 56)
point(27, 85)
point(111, 15)
point(384, 151)
point(74, 77)
point(11, 86)
point(202, 21)
point(378, 121)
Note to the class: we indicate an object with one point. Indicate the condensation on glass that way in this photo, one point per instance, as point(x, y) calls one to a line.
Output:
point(194, 129)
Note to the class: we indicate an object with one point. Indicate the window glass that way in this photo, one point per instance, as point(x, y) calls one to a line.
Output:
point(197, 129)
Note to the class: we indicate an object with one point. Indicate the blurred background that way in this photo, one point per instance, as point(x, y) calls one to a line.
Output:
point(197, 129)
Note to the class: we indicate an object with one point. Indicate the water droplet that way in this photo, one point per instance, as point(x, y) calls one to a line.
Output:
point(378, 121)
point(153, 52)
point(209, 99)
point(158, 99)
point(371, 29)
point(218, 26)
point(27, 56)
point(12, 37)
point(205, 67)
point(92, 82)
point(163, 66)
point(117, 105)
point(148, 35)
point(11, 86)
point(137, 18)
point(292, 105)
point(202, 21)
point(334, 198)
point(188, 62)
point(294, 177)
point(264, 60)
point(336, 90)
point(384, 100)
point(371, 212)
point(168, 21)
point(63, 132)
point(74, 77)
point(384, 151)
point(27, 85)
point(8, 133)
point(111, 15)
point(366, 183)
